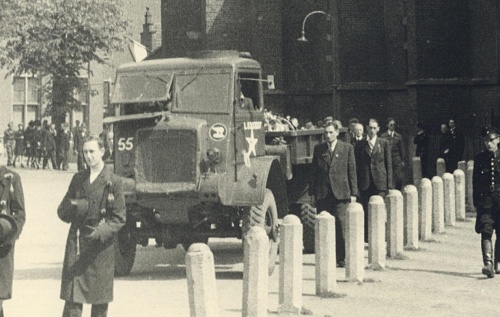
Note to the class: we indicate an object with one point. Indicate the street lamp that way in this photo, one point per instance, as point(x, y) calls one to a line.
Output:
point(302, 37)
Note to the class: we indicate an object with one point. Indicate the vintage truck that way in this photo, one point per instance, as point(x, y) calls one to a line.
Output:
point(195, 157)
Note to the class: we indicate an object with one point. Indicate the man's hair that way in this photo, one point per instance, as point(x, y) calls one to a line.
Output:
point(390, 119)
point(353, 120)
point(334, 124)
point(91, 138)
point(373, 121)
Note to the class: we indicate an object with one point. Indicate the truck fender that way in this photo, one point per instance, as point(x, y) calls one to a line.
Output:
point(252, 181)
point(283, 151)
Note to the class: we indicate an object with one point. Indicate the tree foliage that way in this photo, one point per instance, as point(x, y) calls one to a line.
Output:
point(59, 38)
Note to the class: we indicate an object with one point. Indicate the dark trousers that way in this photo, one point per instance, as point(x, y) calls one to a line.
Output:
point(338, 209)
point(62, 159)
point(365, 199)
point(75, 310)
point(50, 154)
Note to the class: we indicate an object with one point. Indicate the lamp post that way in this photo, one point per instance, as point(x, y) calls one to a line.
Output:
point(302, 37)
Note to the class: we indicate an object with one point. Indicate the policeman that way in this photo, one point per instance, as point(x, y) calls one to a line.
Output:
point(12, 218)
point(486, 198)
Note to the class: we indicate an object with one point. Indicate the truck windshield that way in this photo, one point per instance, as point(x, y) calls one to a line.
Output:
point(140, 88)
point(202, 92)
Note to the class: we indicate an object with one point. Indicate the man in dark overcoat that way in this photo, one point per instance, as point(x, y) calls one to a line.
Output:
point(49, 147)
point(486, 198)
point(12, 206)
point(373, 166)
point(333, 181)
point(456, 146)
point(78, 138)
point(398, 155)
point(95, 207)
point(63, 141)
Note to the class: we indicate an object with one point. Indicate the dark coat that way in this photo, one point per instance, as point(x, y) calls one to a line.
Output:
point(457, 145)
point(335, 171)
point(398, 155)
point(481, 178)
point(49, 141)
point(15, 208)
point(376, 166)
point(63, 141)
point(88, 277)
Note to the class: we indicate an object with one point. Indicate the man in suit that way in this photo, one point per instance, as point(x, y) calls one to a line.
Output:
point(109, 154)
point(456, 146)
point(397, 153)
point(333, 181)
point(486, 199)
point(374, 167)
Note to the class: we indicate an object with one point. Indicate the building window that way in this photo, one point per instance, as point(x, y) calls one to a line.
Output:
point(26, 99)
point(81, 94)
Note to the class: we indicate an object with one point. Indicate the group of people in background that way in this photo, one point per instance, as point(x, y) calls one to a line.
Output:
point(371, 165)
point(42, 146)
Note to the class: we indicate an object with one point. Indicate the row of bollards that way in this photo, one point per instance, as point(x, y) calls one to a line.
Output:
point(396, 224)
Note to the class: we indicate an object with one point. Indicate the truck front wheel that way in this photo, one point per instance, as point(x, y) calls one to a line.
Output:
point(125, 248)
point(265, 216)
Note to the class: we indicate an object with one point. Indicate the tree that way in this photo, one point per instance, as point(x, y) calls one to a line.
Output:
point(56, 39)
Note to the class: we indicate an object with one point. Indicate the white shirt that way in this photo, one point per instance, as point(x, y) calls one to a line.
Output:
point(371, 142)
point(331, 146)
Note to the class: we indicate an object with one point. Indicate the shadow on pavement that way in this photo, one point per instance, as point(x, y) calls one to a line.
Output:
point(457, 274)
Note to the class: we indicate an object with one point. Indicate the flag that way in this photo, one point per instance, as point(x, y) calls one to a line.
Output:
point(138, 51)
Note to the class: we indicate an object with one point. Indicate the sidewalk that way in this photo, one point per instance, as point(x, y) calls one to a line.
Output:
point(442, 278)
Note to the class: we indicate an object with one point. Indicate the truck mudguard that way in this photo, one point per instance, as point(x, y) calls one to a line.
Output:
point(252, 181)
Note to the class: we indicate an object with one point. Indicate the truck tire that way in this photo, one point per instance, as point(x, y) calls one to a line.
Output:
point(308, 219)
point(265, 216)
point(125, 248)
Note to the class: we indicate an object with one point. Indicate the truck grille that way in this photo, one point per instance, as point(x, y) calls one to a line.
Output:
point(167, 156)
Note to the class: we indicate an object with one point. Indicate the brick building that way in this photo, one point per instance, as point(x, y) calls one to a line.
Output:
point(415, 60)
point(21, 99)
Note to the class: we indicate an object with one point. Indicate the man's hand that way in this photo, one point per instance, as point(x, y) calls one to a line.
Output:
point(94, 233)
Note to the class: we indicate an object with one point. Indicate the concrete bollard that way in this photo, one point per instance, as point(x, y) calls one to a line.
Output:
point(326, 260)
point(376, 240)
point(290, 291)
point(200, 272)
point(395, 223)
point(468, 186)
point(459, 176)
point(437, 205)
point(255, 273)
point(425, 209)
point(462, 165)
point(410, 195)
point(355, 245)
point(449, 199)
point(416, 171)
point(440, 167)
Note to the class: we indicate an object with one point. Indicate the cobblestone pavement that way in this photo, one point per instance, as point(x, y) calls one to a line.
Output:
point(441, 279)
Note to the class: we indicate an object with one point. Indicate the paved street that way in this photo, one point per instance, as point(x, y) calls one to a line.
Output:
point(441, 279)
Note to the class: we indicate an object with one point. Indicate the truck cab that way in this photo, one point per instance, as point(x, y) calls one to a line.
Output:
point(190, 147)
